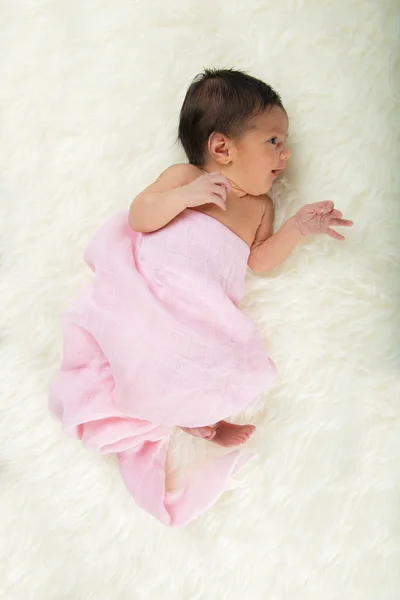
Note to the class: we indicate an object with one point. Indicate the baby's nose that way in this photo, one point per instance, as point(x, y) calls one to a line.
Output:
point(285, 154)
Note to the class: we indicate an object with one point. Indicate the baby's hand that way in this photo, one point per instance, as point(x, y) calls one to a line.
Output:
point(319, 217)
point(206, 189)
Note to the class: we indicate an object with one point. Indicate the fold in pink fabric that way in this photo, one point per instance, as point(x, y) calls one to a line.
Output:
point(157, 340)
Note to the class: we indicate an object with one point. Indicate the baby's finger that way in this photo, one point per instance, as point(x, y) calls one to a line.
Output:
point(334, 234)
point(218, 196)
point(218, 188)
point(220, 179)
point(341, 222)
point(336, 213)
point(218, 200)
point(326, 206)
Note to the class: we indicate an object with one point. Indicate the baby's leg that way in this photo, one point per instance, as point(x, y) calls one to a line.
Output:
point(223, 433)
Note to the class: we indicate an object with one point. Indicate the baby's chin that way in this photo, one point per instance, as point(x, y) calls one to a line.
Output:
point(271, 180)
point(267, 184)
point(267, 188)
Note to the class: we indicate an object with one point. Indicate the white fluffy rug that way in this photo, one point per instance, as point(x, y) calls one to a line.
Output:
point(90, 94)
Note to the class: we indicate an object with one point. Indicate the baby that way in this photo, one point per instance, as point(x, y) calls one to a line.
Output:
point(157, 339)
point(233, 129)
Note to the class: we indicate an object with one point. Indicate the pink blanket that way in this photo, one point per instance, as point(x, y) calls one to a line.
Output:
point(157, 340)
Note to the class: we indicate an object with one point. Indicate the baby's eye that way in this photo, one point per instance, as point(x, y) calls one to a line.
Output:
point(273, 140)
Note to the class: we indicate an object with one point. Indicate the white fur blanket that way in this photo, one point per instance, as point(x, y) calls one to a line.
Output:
point(89, 100)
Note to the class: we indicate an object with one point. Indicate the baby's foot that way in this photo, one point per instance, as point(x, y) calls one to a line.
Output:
point(229, 434)
point(207, 433)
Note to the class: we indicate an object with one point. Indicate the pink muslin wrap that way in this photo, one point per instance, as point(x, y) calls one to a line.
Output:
point(157, 340)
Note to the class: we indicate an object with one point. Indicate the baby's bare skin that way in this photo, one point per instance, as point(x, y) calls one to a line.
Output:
point(223, 433)
point(244, 213)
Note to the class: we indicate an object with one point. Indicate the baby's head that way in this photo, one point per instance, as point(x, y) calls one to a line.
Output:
point(234, 123)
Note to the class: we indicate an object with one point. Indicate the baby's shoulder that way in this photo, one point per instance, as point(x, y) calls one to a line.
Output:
point(173, 177)
point(179, 174)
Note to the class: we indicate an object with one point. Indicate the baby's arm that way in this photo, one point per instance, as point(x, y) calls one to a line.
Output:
point(268, 252)
point(162, 201)
point(179, 187)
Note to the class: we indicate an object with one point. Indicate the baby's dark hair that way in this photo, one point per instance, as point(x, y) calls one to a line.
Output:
point(221, 100)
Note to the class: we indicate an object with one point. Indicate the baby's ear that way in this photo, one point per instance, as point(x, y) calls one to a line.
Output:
point(219, 148)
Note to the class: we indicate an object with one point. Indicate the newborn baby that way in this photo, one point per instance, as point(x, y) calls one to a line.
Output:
point(233, 128)
point(157, 339)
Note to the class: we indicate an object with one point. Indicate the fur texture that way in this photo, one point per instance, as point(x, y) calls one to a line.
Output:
point(90, 98)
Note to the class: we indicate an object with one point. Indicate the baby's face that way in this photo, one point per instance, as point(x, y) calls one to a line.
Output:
point(260, 155)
